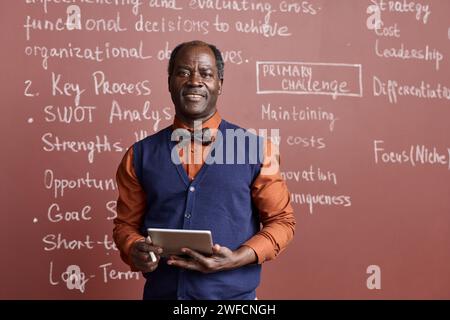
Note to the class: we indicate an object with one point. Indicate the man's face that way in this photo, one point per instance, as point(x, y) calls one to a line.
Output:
point(194, 84)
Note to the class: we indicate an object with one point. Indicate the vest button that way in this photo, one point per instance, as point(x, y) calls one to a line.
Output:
point(187, 215)
point(191, 188)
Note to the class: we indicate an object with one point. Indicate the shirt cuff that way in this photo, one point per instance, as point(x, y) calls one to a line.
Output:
point(262, 249)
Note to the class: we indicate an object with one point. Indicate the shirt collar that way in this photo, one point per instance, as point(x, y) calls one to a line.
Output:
point(212, 123)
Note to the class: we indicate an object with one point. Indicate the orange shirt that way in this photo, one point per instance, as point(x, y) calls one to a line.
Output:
point(269, 193)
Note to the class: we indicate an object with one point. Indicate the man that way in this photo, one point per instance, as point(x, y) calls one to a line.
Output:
point(230, 199)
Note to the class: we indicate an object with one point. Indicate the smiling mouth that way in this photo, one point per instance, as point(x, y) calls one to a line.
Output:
point(193, 96)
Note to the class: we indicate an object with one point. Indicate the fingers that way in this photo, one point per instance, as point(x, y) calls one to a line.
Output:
point(194, 255)
point(179, 262)
point(146, 246)
point(145, 256)
point(145, 262)
point(219, 260)
point(216, 249)
point(197, 261)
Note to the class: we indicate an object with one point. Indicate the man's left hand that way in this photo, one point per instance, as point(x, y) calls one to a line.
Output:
point(221, 259)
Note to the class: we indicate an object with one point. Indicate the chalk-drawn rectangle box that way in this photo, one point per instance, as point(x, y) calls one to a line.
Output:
point(309, 78)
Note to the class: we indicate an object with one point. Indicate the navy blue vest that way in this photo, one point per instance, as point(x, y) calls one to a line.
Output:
point(218, 199)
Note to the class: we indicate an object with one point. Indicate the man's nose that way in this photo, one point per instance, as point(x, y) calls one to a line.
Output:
point(195, 80)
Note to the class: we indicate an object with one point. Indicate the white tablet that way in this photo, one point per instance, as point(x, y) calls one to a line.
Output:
point(172, 240)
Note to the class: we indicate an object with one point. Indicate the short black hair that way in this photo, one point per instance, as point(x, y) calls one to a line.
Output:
point(218, 55)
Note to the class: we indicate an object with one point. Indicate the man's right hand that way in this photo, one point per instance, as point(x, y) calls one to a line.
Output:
point(140, 255)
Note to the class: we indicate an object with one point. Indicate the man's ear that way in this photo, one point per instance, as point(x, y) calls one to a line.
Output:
point(220, 86)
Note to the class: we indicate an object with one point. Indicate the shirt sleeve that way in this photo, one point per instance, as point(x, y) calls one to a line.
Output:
point(131, 205)
point(271, 197)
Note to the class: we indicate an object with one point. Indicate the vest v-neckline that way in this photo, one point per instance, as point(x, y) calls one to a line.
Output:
point(181, 171)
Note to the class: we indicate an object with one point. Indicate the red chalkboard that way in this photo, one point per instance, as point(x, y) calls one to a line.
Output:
point(359, 91)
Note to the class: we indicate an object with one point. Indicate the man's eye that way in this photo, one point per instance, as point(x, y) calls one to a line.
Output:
point(207, 75)
point(183, 73)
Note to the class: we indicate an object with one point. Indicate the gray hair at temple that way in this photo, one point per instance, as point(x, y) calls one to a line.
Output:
point(218, 55)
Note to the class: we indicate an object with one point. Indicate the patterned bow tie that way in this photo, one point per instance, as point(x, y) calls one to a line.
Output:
point(203, 136)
